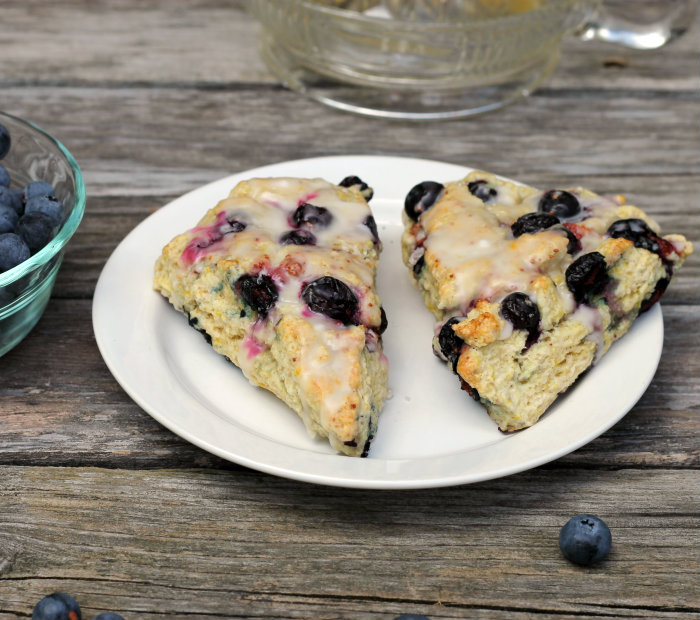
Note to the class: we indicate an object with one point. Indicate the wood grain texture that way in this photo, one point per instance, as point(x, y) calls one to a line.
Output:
point(203, 43)
point(98, 499)
point(197, 544)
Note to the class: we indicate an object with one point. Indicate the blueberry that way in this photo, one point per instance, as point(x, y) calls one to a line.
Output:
point(232, 226)
point(585, 539)
point(35, 229)
point(523, 313)
point(5, 141)
point(421, 198)
point(482, 190)
point(472, 391)
point(659, 290)
point(4, 176)
point(559, 202)
point(8, 219)
point(213, 237)
point(411, 617)
point(108, 615)
point(574, 244)
point(194, 322)
point(298, 237)
point(383, 321)
point(531, 223)
point(12, 198)
point(331, 297)
point(418, 265)
point(372, 225)
point(38, 188)
point(13, 251)
point(450, 343)
point(259, 292)
point(587, 276)
point(637, 231)
point(311, 215)
point(47, 205)
point(57, 606)
point(366, 191)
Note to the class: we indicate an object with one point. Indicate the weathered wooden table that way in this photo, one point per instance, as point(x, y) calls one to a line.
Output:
point(100, 501)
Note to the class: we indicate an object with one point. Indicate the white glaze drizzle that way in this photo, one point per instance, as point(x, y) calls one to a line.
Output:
point(265, 207)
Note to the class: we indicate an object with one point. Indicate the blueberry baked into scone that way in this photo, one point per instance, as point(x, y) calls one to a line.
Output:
point(280, 278)
point(530, 288)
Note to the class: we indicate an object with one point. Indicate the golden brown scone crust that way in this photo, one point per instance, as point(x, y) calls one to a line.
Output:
point(332, 372)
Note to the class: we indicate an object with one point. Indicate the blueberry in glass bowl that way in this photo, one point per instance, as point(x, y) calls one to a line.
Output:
point(31, 252)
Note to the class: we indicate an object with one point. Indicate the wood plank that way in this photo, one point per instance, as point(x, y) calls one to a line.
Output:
point(190, 132)
point(215, 43)
point(210, 544)
point(76, 413)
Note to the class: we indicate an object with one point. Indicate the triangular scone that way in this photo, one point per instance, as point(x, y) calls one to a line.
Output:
point(529, 287)
point(280, 278)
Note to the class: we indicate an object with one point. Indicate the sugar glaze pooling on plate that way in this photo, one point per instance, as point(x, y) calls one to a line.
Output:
point(279, 277)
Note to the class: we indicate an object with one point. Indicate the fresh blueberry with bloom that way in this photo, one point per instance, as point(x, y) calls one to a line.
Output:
point(46, 205)
point(5, 141)
point(35, 229)
point(13, 251)
point(411, 617)
point(4, 177)
point(585, 540)
point(12, 198)
point(8, 219)
point(108, 615)
point(57, 606)
point(33, 189)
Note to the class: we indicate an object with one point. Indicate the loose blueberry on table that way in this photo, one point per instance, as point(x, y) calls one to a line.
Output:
point(62, 606)
point(57, 606)
point(585, 540)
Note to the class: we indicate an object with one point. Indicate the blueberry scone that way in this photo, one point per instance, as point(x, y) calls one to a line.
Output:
point(280, 278)
point(530, 288)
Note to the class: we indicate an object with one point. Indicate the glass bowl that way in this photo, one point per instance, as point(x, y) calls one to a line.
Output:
point(379, 59)
point(25, 289)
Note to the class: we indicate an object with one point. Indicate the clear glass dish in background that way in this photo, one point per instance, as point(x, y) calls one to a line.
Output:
point(433, 59)
point(25, 289)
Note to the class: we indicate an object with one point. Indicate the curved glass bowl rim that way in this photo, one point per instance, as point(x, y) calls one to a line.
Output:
point(362, 18)
point(69, 227)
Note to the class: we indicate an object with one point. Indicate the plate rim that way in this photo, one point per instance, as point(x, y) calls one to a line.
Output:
point(654, 316)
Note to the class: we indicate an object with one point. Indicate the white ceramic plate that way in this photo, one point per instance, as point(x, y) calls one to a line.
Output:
point(430, 433)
